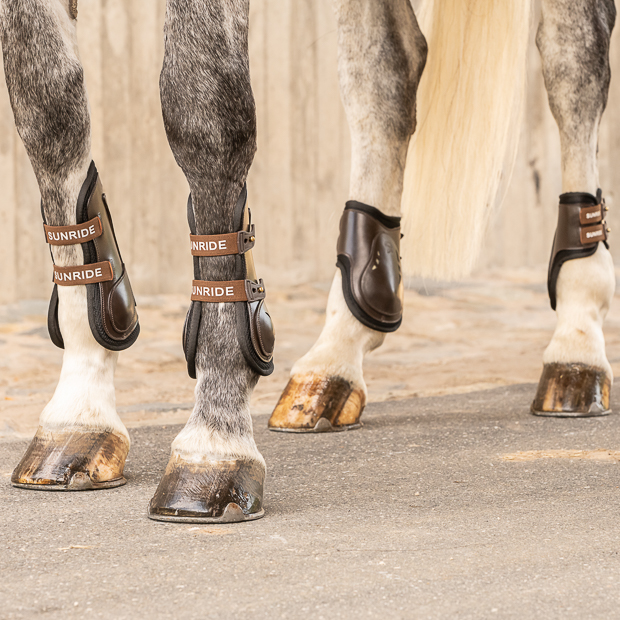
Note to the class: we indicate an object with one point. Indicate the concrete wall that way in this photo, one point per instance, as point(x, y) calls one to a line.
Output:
point(299, 180)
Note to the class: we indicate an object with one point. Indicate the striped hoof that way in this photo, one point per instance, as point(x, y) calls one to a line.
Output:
point(313, 404)
point(572, 391)
point(72, 460)
point(209, 491)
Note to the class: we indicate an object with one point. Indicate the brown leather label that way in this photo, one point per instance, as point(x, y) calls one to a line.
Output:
point(592, 234)
point(227, 291)
point(71, 235)
point(591, 215)
point(83, 274)
point(214, 245)
point(222, 245)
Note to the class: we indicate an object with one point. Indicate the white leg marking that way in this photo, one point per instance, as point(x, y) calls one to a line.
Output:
point(197, 443)
point(84, 396)
point(340, 349)
point(585, 289)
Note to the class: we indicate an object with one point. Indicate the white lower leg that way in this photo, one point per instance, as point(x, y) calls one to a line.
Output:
point(340, 349)
point(585, 289)
point(197, 443)
point(84, 397)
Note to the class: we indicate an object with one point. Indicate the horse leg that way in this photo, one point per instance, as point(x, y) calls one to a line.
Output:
point(573, 39)
point(381, 56)
point(81, 442)
point(215, 472)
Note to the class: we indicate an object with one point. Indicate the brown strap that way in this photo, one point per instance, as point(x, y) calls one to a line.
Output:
point(227, 291)
point(591, 234)
point(83, 274)
point(589, 215)
point(71, 235)
point(222, 245)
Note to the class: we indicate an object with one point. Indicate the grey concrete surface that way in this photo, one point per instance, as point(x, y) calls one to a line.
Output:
point(416, 515)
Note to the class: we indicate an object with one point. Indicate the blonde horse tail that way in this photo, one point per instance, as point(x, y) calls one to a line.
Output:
point(469, 111)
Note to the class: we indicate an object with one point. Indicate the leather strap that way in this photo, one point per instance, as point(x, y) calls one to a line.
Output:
point(72, 235)
point(83, 274)
point(227, 291)
point(222, 245)
point(581, 225)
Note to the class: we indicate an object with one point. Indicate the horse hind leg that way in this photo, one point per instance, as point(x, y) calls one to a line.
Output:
point(215, 472)
point(381, 56)
point(573, 39)
point(81, 442)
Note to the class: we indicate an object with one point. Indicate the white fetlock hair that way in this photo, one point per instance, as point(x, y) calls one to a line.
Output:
point(469, 110)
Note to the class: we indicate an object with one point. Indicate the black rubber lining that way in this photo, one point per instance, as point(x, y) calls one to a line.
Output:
point(389, 221)
point(554, 270)
point(344, 265)
point(53, 326)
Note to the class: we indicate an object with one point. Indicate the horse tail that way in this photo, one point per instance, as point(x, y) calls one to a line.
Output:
point(469, 112)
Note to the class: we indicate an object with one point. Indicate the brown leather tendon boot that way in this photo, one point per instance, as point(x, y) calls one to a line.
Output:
point(368, 252)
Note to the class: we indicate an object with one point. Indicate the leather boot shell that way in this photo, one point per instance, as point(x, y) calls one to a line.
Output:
point(112, 313)
point(579, 220)
point(369, 258)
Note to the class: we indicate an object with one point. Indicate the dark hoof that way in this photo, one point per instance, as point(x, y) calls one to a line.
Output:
point(72, 461)
point(210, 491)
point(313, 404)
point(572, 391)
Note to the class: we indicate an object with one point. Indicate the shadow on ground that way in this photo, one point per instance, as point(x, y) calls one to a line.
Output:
point(416, 515)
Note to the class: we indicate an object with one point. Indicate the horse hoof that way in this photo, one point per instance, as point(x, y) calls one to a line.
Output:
point(572, 391)
point(72, 460)
point(313, 404)
point(209, 491)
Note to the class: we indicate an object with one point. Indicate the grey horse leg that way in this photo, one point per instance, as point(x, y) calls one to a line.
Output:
point(573, 39)
point(381, 56)
point(46, 88)
point(209, 115)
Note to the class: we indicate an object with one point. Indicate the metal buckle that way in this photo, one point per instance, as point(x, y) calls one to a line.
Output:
point(255, 291)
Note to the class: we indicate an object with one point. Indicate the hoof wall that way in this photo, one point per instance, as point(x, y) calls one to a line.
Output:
point(72, 461)
point(313, 404)
point(210, 491)
point(572, 391)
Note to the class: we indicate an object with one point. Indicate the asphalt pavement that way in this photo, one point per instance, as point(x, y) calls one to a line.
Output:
point(461, 506)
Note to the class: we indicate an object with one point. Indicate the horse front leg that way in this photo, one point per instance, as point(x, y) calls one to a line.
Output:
point(573, 39)
point(81, 442)
point(381, 56)
point(215, 472)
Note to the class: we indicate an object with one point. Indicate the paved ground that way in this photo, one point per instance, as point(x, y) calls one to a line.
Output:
point(451, 502)
point(436, 508)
